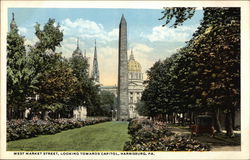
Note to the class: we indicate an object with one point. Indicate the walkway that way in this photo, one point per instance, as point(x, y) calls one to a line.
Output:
point(108, 136)
point(219, 143)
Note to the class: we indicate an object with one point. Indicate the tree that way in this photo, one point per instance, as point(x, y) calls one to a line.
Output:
point(50, 37)
point(59, 85)
point(213, 56)
point(142, 109)
point(107, 103)
point(177, 14)
point(21, 80)
point(87, 92)
point(156, 92)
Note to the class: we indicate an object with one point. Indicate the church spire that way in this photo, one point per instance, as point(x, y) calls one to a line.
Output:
point(95, 71)
point(13, 25)
point(77, 42)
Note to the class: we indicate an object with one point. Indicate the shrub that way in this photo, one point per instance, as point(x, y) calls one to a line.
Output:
point(137, 124)
point(21, 128)
point(155, 136)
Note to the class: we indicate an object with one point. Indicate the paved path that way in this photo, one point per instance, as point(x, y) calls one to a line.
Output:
point(225, 148)
point(180, 131)
point(186, 132)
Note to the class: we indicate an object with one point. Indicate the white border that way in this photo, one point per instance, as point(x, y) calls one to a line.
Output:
point(245, 68)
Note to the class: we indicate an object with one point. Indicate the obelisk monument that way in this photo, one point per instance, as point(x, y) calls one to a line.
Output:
point(123, 72)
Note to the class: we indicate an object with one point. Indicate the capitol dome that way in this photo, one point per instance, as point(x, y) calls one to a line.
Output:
point(133, 65)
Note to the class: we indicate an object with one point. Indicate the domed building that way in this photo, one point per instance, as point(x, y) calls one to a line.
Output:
point(135, 85)
point(77, 52)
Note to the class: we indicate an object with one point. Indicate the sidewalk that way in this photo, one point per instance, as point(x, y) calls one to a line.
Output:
point(226, 148)
point(218, 143)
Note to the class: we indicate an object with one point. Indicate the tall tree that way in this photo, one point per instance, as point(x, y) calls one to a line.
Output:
point(50, 37)
point(87, 92)
point(107, 103)
point(214, 60)
point(59, 85)
point(46, 63)
point(21, 80)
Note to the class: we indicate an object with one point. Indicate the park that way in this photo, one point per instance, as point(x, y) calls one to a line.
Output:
point(189, 101)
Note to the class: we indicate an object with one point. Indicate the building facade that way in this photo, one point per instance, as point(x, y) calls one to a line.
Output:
point(135, 85)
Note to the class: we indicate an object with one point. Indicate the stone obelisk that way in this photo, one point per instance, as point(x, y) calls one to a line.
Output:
point(123, 72)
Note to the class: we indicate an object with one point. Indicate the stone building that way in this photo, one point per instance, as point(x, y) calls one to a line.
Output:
point(135, 85)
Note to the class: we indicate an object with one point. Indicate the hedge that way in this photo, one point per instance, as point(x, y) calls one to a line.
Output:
point(21, 128)
point(147, 135)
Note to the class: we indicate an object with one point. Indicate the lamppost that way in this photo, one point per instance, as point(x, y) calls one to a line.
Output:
point(112, 114)
point(116, 114)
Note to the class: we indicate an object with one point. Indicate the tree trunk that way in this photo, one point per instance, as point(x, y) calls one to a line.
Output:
point(46, 115)
point(229, 124)
point(217, 124)
point(233, 118)
point(10, 112)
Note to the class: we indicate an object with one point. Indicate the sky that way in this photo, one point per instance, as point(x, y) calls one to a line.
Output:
point(146, 36)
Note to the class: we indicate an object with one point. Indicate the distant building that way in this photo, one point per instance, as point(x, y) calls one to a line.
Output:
point(13, 25)
point(135, 85)
point(95, 70)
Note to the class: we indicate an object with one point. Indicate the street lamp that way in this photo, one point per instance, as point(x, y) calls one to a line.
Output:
point(112, 114)
point(116, 114)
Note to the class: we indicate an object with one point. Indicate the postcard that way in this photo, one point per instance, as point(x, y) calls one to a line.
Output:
point(124, 80)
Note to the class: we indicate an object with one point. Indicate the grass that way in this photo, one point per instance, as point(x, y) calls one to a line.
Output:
point(108, 136)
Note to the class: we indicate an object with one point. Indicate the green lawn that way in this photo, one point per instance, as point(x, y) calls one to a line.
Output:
point(108, 136)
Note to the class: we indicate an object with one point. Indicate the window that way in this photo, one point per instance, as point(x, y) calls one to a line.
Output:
point(131, 97)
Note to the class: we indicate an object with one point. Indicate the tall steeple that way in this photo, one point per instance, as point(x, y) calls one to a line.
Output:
point(13, 26)
point(95, 72)
point(123, 72)
point(77, 42)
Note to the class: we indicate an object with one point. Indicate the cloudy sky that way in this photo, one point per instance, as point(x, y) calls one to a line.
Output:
point(149, 40)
